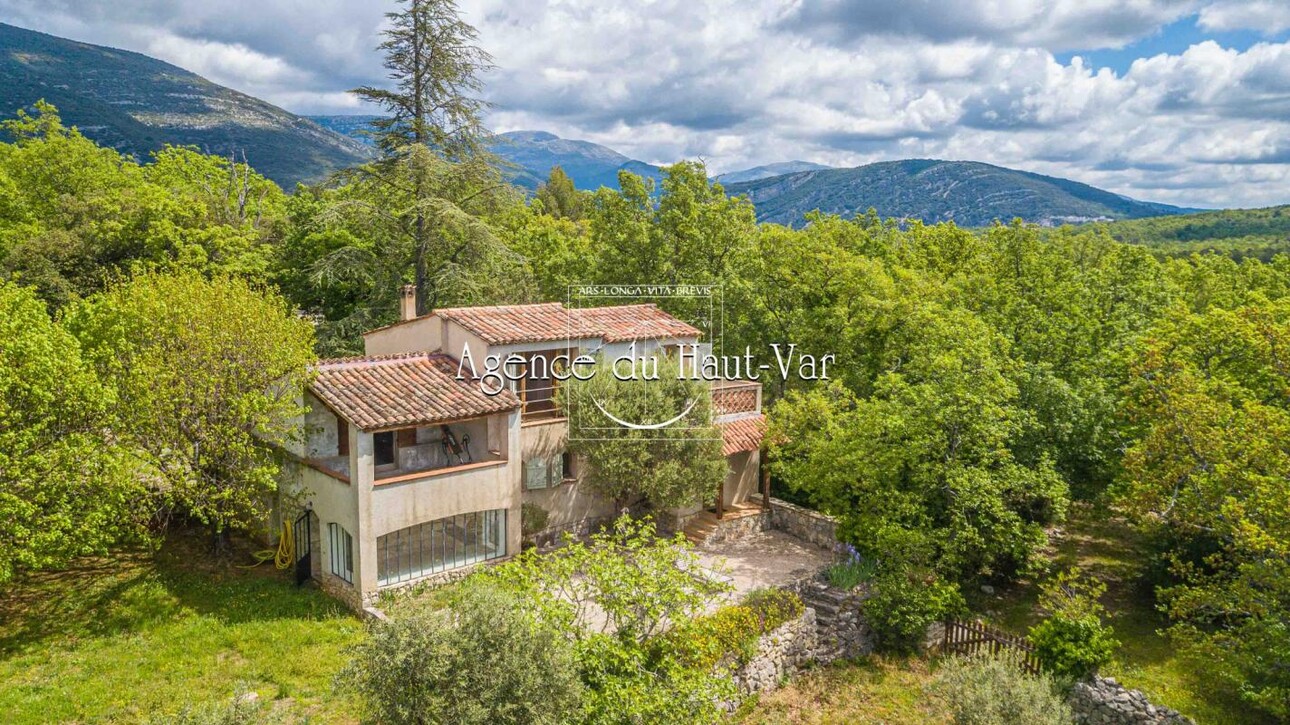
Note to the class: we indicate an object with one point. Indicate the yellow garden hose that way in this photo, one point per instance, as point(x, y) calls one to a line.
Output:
point(283, 557)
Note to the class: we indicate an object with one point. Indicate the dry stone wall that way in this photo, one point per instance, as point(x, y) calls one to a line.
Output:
point(810, 526)
point(780, 654)
point(1103, 701)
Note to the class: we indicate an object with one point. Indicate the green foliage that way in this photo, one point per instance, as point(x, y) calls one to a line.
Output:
point(851, 573)
point(76, 214)
point(677, 465)
point(533, 518)
point(985, 691)
point(208, 375)
point(773, 607)
point(559, 198)
point(904, 603)
point(486, 659)
point(65, 487)
point(413, 217)
point(635, 582)
point(1209, 473)
point(243, 709)
point(1240, 233)
point(1072, 642)
point(630, 685)
point(728, 637)
point(432, 58)
point(691, 236)
point(613, 596)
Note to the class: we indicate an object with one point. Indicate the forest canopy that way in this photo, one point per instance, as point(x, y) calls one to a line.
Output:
point(983, 379)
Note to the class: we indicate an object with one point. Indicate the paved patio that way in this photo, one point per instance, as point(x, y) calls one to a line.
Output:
point(766, 559)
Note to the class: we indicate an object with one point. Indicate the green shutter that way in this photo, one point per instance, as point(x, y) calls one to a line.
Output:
point(557, 469)
point(535, 473)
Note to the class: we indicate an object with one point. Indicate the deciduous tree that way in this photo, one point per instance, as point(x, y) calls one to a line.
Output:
point(208, 375)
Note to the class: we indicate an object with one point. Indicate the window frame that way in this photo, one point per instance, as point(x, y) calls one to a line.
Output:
point(393, 465)
point(340, 549)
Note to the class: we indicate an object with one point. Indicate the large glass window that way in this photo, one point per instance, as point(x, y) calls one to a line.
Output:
point(440, 545)
point(342, 552)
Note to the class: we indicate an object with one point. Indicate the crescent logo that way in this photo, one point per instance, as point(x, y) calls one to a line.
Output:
point(644, 426)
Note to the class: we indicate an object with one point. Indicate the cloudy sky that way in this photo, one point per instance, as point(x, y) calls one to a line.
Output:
point(1181, 101)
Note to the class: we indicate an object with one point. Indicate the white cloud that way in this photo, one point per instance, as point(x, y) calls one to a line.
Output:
point(745, 82)
point(1266, 16)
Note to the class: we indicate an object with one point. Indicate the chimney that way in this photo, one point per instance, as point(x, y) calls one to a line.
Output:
point(408, 302)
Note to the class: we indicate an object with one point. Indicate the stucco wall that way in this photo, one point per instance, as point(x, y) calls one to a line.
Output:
point(321, 429)
point(421, 334)
point(456, 339)
point(741, 481)
point(570, 506)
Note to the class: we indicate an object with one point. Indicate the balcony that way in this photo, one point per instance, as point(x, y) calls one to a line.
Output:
point(732, 399)
point(411, 453)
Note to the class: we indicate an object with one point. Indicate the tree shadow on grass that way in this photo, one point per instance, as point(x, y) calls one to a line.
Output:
point(133, 591)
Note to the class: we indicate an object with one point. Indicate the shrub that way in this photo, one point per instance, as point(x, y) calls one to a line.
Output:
point(727, 636)
point(849, 574)
point(730, 634)
point(985, 691)
point(533, 518)
point(627, 684)
point(904, 603)
point(1073, 642)
point(485, 659)
point(774, 607)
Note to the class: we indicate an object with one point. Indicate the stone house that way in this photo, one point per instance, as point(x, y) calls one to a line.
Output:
point(413, 471)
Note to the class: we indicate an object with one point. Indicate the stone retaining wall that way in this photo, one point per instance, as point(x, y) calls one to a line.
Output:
point(1103, 701)
point(739, 527)
point(840, 623)
point(780, 654)
point(810, 526)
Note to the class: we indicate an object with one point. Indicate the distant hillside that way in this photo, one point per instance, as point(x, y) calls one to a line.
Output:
point(969, 193)
point(590, 165)
point(137, 104)
point(531, 154)
point(769, 170)
point(1240, 233)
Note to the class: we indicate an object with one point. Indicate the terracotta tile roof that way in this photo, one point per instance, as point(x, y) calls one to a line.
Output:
point(550, 321)
point(744, 434)
point(507, 324)
point(633, 322)
point(402, 390)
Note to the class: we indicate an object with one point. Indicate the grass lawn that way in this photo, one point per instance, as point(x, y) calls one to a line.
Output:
point(875, 690)
point(1112, 551)
point(139, 636)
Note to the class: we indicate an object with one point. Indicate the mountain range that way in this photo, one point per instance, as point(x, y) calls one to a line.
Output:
point(968, 193)
point(137, 104)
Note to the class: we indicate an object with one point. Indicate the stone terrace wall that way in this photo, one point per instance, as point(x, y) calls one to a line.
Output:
point(739, 527)
point(810, 526)
point(780, 655)
point(1103, 701)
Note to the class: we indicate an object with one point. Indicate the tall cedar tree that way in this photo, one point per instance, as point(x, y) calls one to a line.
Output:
point(435, 65)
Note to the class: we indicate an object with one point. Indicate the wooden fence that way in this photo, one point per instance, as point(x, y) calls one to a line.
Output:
point(976, 638)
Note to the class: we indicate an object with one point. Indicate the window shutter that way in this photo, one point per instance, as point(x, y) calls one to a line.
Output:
point(557, 469)
point(535, 473)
